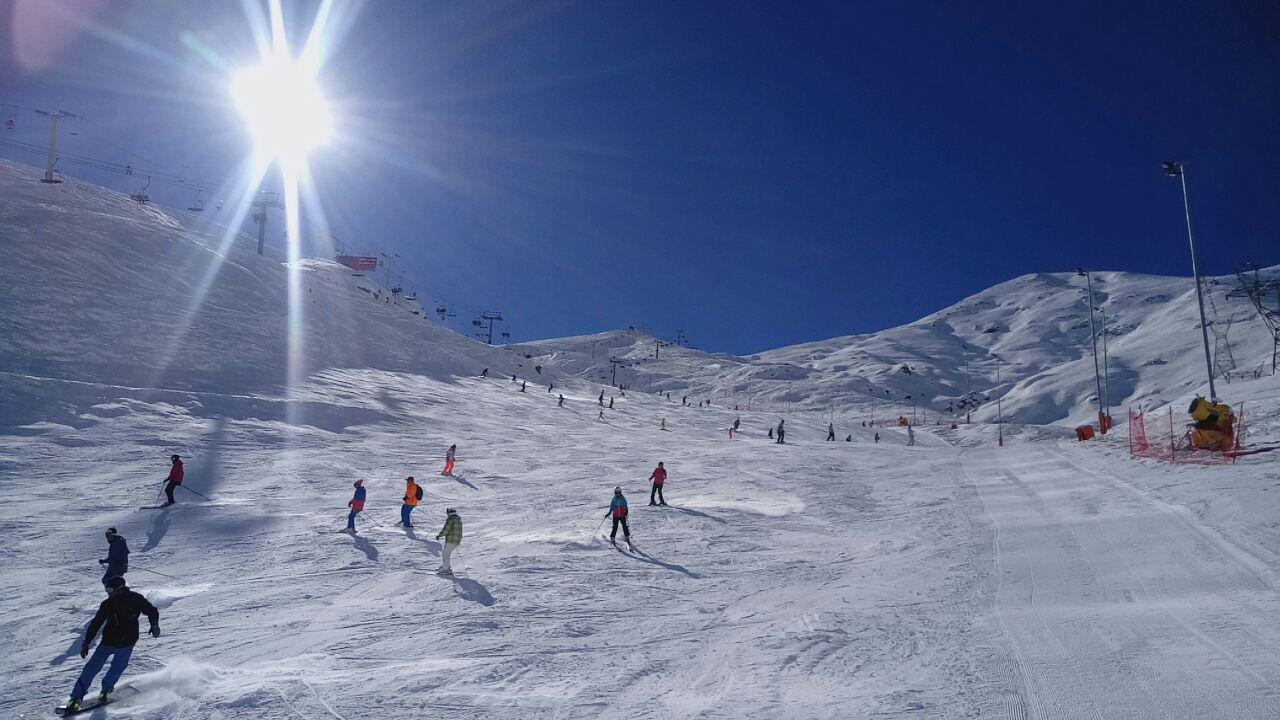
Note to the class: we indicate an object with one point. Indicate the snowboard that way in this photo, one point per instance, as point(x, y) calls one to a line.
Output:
point(87, 707)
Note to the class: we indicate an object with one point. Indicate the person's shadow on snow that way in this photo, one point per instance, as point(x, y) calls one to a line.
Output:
point(642, 556)
point(159, 527)
point(363, 545)
point(469, 589)
point(432, 545)
point(76, 641)
point(464, 481)
point(696, 513)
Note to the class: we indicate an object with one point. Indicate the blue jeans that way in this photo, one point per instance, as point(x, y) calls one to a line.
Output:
point(404, 515)
point(119, 661)
point(351, 520)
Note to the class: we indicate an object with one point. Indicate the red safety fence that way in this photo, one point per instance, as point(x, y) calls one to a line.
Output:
point(1156, 435)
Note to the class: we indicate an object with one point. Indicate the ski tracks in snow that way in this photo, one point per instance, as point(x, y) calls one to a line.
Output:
point(1115, 605)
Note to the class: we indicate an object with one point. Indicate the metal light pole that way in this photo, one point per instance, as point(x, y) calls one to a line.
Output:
point(1178, 170)
point(999, 403)
point(1106, 367)
point(1093, 334)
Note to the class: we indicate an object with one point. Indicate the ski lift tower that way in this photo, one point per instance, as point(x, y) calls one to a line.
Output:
point(485, 323)
point(615, 362)
point(55, 117)
point(261, 204)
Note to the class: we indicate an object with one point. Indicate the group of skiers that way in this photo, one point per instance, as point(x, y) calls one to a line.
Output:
point(117, 616)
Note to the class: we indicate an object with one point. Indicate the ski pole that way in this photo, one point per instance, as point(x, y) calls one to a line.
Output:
point(184, 487)
point(597, 531)
point(153, 572)
point(157, 500)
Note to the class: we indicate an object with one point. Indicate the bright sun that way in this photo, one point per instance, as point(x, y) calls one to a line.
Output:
point(284, 107)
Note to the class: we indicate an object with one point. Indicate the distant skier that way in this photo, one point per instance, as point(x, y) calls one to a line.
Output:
point(782, 433)
point(356, 503)
point(522, 385)
point(601, 398)
point(117, 560)
point(484, 373)
point(513, 377)
point(663, 426)
point(848, 438)
point(736, 422)
point(412, 496)
point(117, 617)
point(561, 402)
point(600, 416)
point(449, 456)
point(618, 511)
point(831, 432)
point(610, 402)
point(770, 433)
point(550, 387)
point(684, 400)
point(452, 534)
point(911, 436)
point(659, 476)
point(877, 438)
point(668, 396)
point(174, 479)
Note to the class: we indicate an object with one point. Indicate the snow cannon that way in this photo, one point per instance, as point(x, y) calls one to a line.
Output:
point(1214, 426)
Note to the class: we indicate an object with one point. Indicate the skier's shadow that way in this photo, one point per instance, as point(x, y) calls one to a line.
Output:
point(159, 527)
point(697, 513)
point(469, 589)
point(432, 545)
point(464, 481)
point(645, 557)
point(363, 545)
point(76, 641)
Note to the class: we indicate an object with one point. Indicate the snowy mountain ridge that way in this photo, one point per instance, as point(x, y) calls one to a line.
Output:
point(1037, 324)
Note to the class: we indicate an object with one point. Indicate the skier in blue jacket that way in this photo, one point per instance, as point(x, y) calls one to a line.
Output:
point(618, 510)
point(117, 560)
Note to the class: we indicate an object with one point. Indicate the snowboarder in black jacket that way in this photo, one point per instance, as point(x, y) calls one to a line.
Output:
point(117, 617)
point(117, 560)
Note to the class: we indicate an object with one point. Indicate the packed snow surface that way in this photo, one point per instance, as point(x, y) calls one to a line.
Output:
point(955, 578)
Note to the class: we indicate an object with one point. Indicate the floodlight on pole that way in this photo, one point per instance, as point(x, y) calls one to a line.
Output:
point(1179, 170)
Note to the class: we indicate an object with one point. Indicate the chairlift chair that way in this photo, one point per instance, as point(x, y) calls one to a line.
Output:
point(141, 197)
point(197, 205)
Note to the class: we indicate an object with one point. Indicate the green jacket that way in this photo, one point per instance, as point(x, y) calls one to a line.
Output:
point(452, 530)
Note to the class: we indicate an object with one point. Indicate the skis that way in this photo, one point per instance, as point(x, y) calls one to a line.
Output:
point(64, 712)
point(615, 544)
point(155, 507)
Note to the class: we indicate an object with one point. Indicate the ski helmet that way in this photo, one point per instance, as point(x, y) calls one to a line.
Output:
point(450, 511)
point(617, 491)
point(174, 457)
point(359, 483)
point(114, 583)
point(111, 531)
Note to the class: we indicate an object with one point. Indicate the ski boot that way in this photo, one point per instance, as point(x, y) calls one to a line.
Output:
point(104, 698)
point(73, 706)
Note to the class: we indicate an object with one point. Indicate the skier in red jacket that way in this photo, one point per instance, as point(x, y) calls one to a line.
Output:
point(174, 480)
point(658, 477)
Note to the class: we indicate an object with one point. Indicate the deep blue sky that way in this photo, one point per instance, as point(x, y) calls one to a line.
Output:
point(756, 174)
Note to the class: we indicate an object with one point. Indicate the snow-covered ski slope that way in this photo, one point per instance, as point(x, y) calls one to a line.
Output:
point(1037, 324)
point(952, 579)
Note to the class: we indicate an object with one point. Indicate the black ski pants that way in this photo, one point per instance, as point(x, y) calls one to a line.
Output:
point(657, 489)
point(626, 531)
point(168, 491)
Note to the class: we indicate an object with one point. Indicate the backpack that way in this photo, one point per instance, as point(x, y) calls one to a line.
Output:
point(418, 493)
